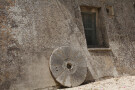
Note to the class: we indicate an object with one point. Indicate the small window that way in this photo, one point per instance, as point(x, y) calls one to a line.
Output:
point(89, 21)
point(94, 32)
point(109, 10)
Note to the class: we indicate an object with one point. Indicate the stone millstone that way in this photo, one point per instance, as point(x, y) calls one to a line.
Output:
point(68, 66)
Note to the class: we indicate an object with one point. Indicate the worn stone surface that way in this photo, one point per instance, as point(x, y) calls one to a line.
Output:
point(68, 66)
point(31, 29)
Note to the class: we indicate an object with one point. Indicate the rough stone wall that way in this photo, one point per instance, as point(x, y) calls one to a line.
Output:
point(31, 29)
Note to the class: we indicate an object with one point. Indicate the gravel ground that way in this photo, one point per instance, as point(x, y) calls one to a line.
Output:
point(121, 83)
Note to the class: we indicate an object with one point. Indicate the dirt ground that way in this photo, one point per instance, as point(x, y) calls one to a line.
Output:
point(119, 83)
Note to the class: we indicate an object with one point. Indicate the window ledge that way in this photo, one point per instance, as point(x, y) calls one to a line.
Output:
point(99, 49)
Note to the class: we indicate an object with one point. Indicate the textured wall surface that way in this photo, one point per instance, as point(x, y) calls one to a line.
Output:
point(121, 35)
point(31, 29)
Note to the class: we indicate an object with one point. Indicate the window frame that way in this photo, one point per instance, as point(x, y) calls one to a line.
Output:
point(101, 34)
point(92, 29)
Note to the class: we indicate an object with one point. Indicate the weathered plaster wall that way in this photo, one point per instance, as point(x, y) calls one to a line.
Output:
point(31, 29)
point(35, 29)
point(121, 33)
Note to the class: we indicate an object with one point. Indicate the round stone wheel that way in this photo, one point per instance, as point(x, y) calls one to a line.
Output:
point(68, 66)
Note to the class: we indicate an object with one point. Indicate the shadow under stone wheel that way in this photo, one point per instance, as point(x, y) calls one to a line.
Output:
point(68, 66)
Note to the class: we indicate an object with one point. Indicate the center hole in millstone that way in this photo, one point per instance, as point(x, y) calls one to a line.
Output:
point(69, 65)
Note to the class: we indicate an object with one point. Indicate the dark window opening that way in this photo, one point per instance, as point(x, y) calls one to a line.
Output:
point(89, 21)
point(94, 28)
point(107, 10)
